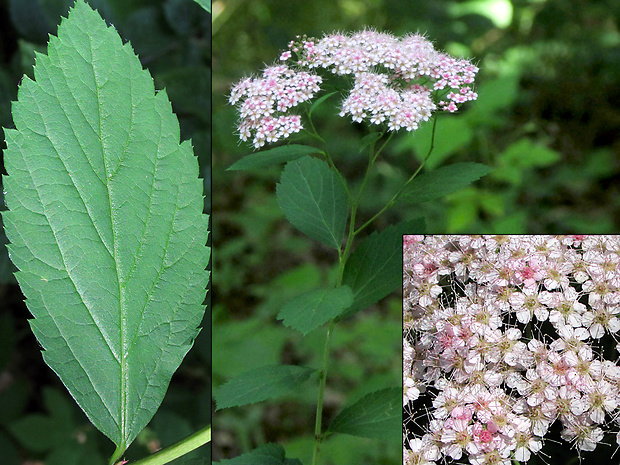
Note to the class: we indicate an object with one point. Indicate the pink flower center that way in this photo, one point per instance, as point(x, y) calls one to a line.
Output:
point(485, 436)
point(527, 272)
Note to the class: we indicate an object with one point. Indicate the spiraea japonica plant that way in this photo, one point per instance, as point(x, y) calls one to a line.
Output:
point(384, 84)
point(106, 227)
point(510, 344)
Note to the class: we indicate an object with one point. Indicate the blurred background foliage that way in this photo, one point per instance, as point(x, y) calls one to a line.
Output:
point(39, 421)
point(547, 121)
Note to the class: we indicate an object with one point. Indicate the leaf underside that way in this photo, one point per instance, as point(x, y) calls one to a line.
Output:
point(105, 224)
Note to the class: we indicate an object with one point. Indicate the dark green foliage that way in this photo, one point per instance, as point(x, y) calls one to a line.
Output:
point(268, 454)
point(372, 416)
point(373, 269)
point(261, 383)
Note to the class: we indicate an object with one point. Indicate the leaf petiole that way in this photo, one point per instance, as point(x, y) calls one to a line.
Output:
point(184, 446)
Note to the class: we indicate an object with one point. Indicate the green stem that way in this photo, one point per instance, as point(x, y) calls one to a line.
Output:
point(342, 259)
point(184, 446)
point(318, 435)
point(392, 201)
point(118, 453)
point(372, 157)
point(343, 255)
point(313, 132)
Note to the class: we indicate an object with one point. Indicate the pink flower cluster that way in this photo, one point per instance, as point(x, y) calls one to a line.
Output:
point(263, 103)
point(504, 335)
point(396, 82)
point(394, 77)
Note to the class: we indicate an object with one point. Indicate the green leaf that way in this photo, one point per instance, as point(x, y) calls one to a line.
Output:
point(36, 432)
point(282, 154)
point(313, 199)
point(262, 383)
point(451, 135)
point(10, 456)
point(311, 309)
point(57, 404)
point(48, 433)
point(376, 415)
point(442, 181)
point(206, 4)
point(463, 211)
point(370, 139)
point(319, 101)
point(495, 96)
point(374, 269)
point(13, 401)
point(520, 156)
point(267, 454)
point(184, 460)
point(6, 266)
point(67, 454)
point(249, 343)
point(105, 224)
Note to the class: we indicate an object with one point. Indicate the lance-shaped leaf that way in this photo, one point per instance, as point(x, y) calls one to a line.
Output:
point(270, 157)
point(317, 103)
point(314, 200)
point(105, 224)
point(206, 4)
point(442, 181)
point(262, 383)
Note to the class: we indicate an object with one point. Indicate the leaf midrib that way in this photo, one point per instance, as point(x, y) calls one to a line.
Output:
point(121, 292)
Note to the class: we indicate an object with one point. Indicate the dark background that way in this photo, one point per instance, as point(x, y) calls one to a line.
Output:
point(39, 421)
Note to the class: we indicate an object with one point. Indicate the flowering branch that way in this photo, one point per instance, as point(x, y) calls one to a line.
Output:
point(395, 83)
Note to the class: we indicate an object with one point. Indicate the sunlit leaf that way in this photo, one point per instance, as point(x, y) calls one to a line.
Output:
point(206, 4)
point(105, 224)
